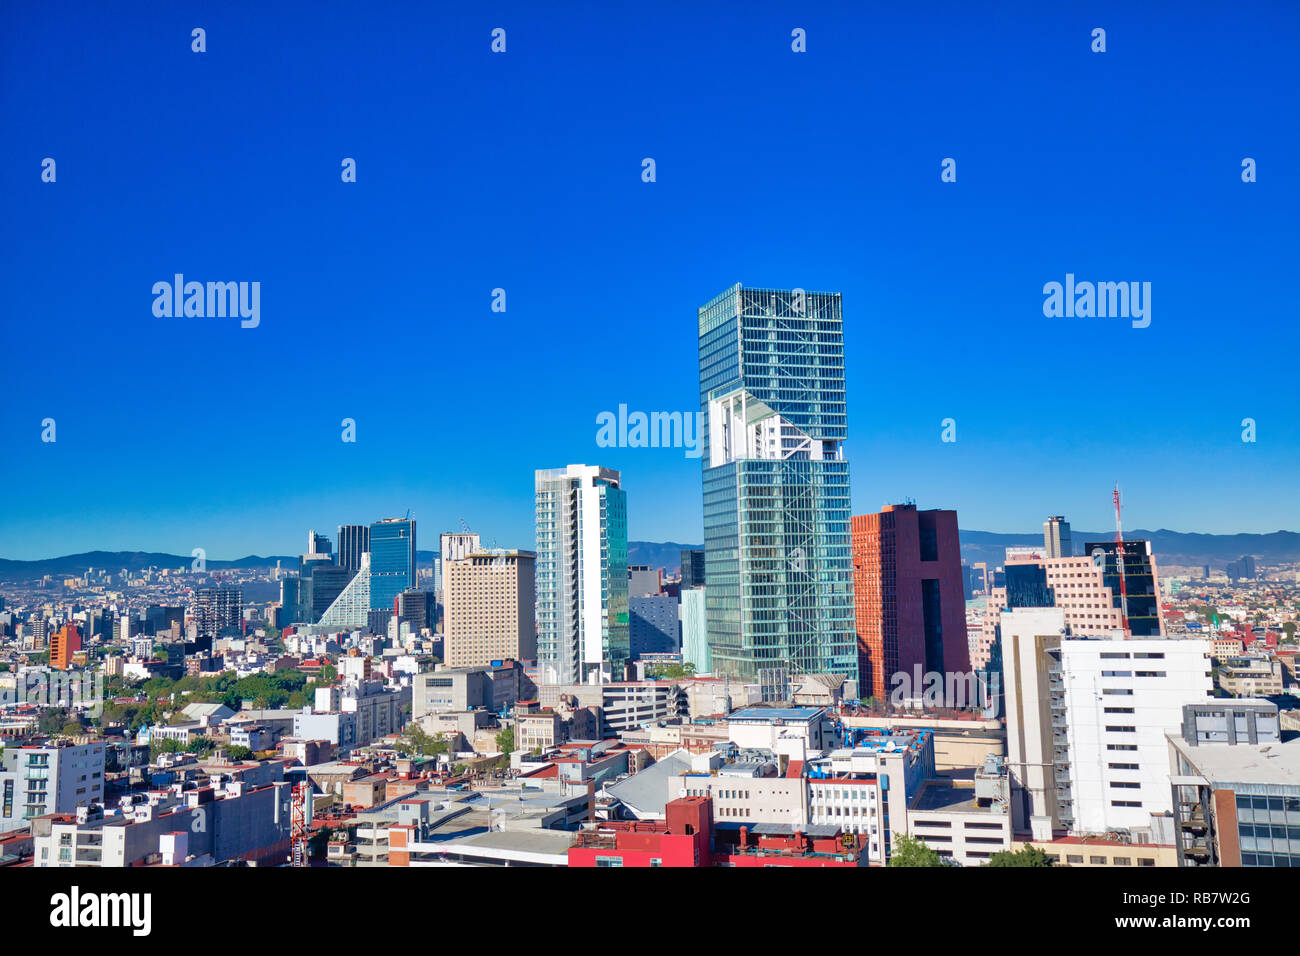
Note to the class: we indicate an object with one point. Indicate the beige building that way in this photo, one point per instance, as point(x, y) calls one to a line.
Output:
point(1251, 677)
point(1079, 591)
point(490, 600)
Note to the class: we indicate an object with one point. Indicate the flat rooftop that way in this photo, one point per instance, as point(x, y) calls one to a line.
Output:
point(1260, 764)
point(776, 713)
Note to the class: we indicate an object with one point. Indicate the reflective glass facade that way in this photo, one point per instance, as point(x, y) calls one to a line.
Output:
point(392, 561)
point(776, 485)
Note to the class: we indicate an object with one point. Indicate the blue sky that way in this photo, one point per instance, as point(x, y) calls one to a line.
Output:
point(523, 171)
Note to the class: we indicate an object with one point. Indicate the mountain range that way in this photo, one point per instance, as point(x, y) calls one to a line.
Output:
point(1171, 547)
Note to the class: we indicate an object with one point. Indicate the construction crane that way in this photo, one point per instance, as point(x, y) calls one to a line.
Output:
point(1119, 563)
point(298, 822)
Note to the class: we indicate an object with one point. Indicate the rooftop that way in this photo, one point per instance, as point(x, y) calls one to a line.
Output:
point(1262, 764)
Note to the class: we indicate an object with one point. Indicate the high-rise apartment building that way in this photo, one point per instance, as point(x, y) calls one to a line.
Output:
point(909, 596)
point(217, 609)
point(64, 646)
point(354, 541)
point(582, 596)
point(1056, 537)
point(1086, 723)
point(489, 601)
point(392, 561)
point(776, 483)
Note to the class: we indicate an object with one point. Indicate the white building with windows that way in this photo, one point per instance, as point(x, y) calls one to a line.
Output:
point(1086, 722)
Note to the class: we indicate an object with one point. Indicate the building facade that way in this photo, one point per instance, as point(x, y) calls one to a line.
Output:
point(776, 483)
point(582, 575)
point(908, 595)
point(490, 601)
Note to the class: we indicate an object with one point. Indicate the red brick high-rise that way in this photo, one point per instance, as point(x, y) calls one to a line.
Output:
point(909, 602)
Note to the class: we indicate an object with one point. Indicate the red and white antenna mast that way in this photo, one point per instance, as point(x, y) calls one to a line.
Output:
point(1119, 563)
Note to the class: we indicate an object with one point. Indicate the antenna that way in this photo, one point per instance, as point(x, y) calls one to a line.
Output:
point(1119, 561)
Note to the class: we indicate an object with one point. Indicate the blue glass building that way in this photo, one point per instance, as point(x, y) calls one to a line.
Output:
point(776, 484)
point(392, 561)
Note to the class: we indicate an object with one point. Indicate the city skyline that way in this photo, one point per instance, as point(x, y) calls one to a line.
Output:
point(959, 266)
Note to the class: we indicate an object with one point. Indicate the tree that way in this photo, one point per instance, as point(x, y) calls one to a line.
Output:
point(672, 671)
point(909, 851)
point(506, 740)
point(423, 744)
point(239, 753)
point(1026, 856)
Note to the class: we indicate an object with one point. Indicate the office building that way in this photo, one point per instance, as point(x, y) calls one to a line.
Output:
point(582, 597)
point(695, 635)
point(1086, 723)
point(392, 561)
point(908, 596)
point(319, 544)
point(490, 600)
point(321, 589)
point(1236, 786)
point(776, 484)
point(418, 609)
point(692, 569)
point(65, 646)
point(351, 609)
point(454, 546)
point(644, 581)
point(354, 541)
point(653, 625)
point(1141, 603)
point(1056, 538)
point(218, 611)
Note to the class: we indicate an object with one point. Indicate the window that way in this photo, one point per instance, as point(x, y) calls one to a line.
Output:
point(609, 861)
point(1097, 860)
point(655, 861)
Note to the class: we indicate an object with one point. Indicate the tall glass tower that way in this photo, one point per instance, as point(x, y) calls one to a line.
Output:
point(582, 579)
point(392, 561)
point(778, 560)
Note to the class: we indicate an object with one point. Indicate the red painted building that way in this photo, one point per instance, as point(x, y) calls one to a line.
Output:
point(686, 837)
point(909, 602)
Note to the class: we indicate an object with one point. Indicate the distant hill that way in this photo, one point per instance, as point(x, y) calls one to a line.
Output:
point(653, 554)
point(70, 564)
point(1171, 547)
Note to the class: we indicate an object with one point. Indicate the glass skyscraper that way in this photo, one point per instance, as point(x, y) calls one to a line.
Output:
point(776, 485)
point(392, 561)
point(582, 579)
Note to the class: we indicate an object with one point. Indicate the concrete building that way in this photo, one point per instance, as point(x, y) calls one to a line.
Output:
point(623, 705)
point(653, 625)
point(1086, 721)
point(1236, 804)
point(489, 608)
point(786, 730)
point(582, 596)
point(495, 686)
point(964, 821)
point(57, 777)
point(1056, 537)
point(745, 786)
point(191, 828)
point(1252, 676)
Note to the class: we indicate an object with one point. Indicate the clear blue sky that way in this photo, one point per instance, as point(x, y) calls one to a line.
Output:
point(523, 171)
